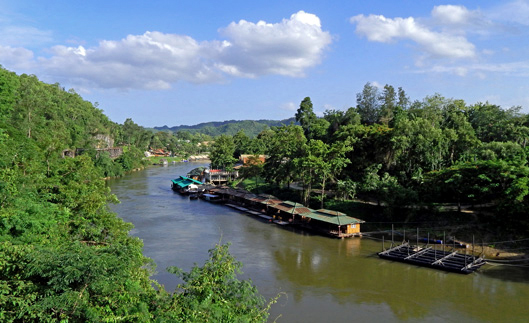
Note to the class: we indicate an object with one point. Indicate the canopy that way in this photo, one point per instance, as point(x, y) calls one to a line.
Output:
point(333, 217)
point(183, 181)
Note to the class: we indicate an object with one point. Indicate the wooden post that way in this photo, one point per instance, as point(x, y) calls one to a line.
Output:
point(444, 240)
point(473, 255)
point(392, 235)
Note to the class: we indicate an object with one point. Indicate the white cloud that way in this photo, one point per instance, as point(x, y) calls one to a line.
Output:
point(17, 36)
point(514, 11)
point(456, 15)
point(156, 60)
point(289, 106)
point(520, 69)
point(436, 44)
point(150, 61)
point(285, 48)
point(15, 58)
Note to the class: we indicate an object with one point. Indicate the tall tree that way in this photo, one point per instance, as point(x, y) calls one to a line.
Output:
point(404, 100)
point(368, 104)
point(306, 117)
point(322, 161)
point(286, 145)
point(221, 152)
point(389, 102)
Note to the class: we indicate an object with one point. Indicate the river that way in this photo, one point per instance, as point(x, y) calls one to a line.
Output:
point(323, 279)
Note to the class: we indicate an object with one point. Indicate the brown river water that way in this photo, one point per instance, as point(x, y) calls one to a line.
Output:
point(322, 279)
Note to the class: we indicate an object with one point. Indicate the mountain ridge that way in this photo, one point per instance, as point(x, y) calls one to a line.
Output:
point(228, 127)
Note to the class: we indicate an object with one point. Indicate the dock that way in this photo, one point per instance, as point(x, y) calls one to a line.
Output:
point(452, 261)
point(243, 209)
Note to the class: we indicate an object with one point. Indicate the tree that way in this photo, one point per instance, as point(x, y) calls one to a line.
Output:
point(368, 104)
point(213, 293)
point(404, 100)
point(338, 119)
point(322, 161)
point(306, 117)
point(242, 143)
point(253, 168)
point(286, 144)
point(221, 152)
point(389, 102)
point(346, 188)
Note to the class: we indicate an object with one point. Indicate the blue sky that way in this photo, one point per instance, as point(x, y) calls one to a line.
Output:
point(186, 62)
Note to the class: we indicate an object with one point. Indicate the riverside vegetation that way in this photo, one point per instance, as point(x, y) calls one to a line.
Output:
point(65, 257)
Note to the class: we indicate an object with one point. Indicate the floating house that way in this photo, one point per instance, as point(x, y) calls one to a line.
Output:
point(333, 223)
point(185, 184)
point(328, 222)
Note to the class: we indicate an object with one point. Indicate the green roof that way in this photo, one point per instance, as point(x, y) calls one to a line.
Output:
point(196, 171)
point(333, 217)
point(183, 181)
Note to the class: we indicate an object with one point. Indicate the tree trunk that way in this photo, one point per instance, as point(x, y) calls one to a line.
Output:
point(322, 192)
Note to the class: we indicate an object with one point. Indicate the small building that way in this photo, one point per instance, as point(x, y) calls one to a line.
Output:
point(247, 159)
point(159, 153)
point(333, 223)
point(197, 173)
point(219, 176)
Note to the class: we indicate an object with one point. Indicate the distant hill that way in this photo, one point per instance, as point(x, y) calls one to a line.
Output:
point(230, 127)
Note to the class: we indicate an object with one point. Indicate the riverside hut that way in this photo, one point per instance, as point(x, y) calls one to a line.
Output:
point(333, 223)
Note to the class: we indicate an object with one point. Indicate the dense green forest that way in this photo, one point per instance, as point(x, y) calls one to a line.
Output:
point(64, 257)
point(410, 158)
point(214, 129)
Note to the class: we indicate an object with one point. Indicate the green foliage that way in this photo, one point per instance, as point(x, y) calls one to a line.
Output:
point(230, 128)
point(131, 159)
point(107, 166)
point(64, 257)
point(286, 144)
point(222, 152)
point(213, 293)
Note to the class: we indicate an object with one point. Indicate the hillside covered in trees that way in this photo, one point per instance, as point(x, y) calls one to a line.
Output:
point(250, 127)
point(64, 257)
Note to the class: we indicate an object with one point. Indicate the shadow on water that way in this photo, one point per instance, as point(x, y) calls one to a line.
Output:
point(518, 273)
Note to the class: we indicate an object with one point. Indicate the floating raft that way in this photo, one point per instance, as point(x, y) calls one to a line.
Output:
point(452, 261)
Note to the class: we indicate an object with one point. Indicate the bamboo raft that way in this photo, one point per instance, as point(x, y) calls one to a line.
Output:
point(428, 256)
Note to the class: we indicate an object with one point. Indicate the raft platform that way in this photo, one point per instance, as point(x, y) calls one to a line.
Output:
point(451, 261)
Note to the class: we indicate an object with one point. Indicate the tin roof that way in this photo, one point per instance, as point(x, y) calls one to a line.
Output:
point(292, 207)
point(333, 217)
point(183, 181)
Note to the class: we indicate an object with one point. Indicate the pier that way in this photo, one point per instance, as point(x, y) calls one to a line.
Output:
point(428, 256)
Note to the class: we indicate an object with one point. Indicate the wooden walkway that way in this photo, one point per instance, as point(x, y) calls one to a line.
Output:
point(452, 261)
point(243, 209)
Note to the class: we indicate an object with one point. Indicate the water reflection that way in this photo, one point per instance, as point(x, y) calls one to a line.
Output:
point(325, 279)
